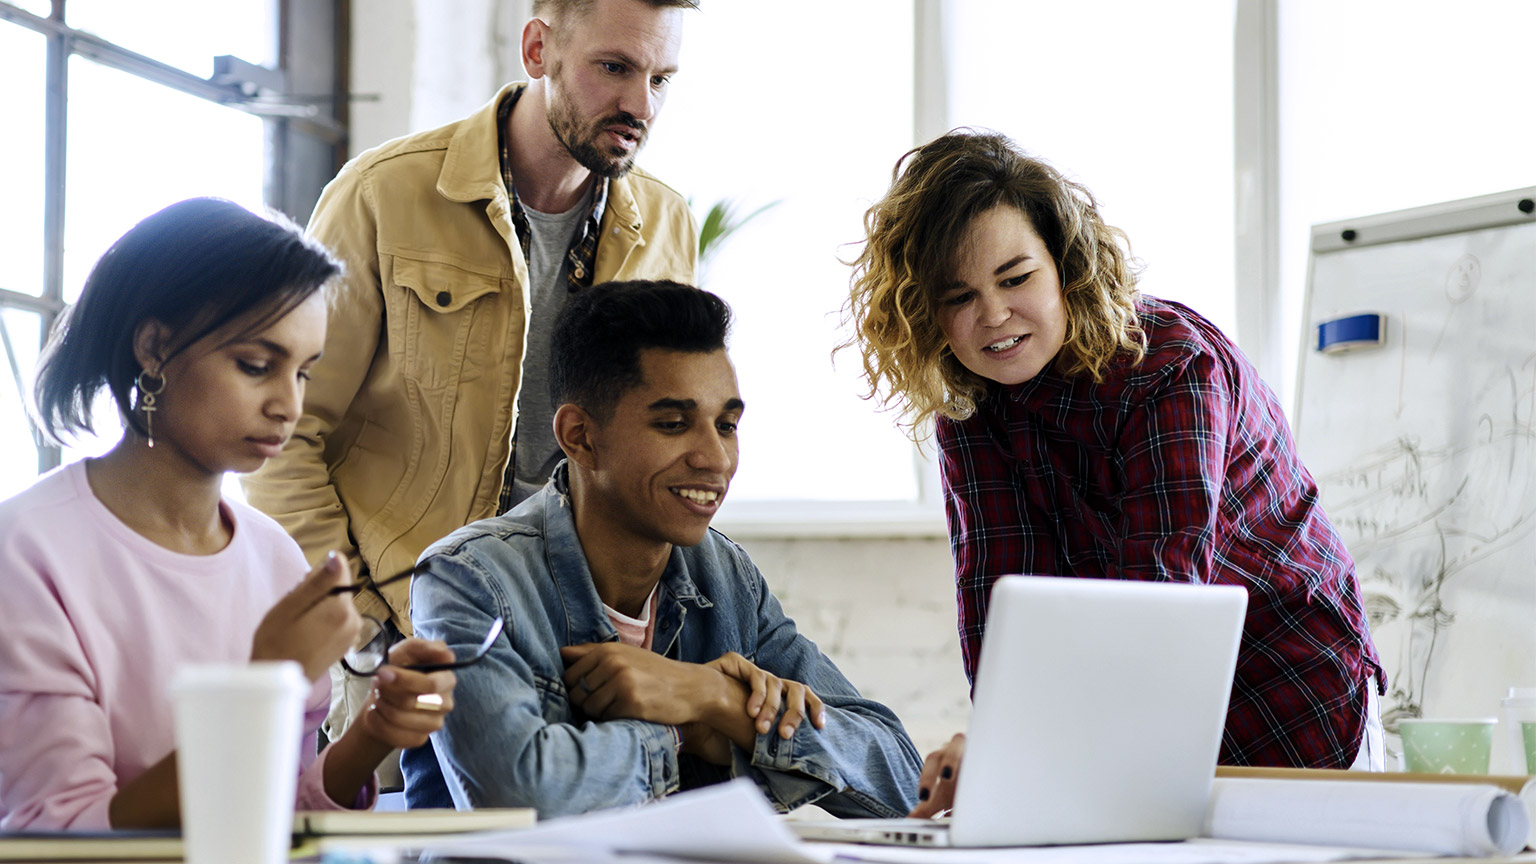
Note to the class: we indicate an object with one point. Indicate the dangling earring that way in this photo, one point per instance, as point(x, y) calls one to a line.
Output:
point(150, 386)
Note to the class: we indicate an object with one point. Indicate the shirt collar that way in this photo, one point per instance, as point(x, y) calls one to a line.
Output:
point(568, 563)
point(599, 194)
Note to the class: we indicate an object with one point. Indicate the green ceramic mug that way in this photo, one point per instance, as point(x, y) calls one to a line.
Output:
point(1447, 746)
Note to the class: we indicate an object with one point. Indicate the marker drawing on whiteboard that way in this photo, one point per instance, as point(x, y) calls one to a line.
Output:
point(1352, 332)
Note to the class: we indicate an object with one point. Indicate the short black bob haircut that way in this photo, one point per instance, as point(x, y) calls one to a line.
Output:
point(598, 337)
point(196, 267)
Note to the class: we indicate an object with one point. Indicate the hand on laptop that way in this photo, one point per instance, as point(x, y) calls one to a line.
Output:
point(936, 786)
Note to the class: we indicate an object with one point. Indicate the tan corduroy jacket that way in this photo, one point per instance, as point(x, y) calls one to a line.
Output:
point(408, 419)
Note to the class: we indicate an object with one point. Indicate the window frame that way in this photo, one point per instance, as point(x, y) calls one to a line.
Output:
point(1256, 262)
point(303, 104)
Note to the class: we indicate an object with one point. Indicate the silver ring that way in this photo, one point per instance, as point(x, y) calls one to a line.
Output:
point(582, 683)
point(429, 702)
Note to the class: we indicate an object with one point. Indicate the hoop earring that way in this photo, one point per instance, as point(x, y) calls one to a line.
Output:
point(150, 385)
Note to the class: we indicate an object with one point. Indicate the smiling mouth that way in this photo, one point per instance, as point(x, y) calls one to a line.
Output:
point(697, 496)
point(1005, 344)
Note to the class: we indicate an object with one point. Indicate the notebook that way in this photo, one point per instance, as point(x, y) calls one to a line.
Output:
point(1097, 717)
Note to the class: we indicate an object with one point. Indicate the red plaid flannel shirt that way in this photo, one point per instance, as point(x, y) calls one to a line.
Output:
point(1180, 468)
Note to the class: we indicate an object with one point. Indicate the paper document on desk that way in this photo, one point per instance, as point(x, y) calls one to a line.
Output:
point(728, 822)
point(1197, 851)
point(1472, 821)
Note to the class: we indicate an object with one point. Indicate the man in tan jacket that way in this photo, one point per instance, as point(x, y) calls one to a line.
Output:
point(461, 244)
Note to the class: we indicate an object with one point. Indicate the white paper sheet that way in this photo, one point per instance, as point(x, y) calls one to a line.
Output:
point(728, 822)
point(1198, 851)
point(732, 822)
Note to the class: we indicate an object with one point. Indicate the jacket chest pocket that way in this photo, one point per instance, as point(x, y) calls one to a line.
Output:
point(447, 325)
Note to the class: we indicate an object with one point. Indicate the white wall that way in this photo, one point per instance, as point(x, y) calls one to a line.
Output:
point(418, 64)
point(884, 610)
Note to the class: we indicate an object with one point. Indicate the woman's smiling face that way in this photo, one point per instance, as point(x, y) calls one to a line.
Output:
point(1003, 315)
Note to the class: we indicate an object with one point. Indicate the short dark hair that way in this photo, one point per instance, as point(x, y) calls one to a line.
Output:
point(555, 10)
point(598, 337)
point(195, 266)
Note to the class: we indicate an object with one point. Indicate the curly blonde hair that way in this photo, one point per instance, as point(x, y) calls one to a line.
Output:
point(937, 190)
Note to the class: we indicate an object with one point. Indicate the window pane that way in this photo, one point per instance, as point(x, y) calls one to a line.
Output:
point(184, 33)
point(730, 131)
point(1132, 99)
point(198, 148)
point(21, 337)
point(23, 58)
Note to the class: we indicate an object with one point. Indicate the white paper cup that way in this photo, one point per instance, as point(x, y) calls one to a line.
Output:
point(1518, 708)
point(237, 743)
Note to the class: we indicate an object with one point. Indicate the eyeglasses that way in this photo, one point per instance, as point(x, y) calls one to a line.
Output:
point(370, 650)
point(376, 583)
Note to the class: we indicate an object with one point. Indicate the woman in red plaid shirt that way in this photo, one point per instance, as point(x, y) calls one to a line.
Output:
point(1088, 430)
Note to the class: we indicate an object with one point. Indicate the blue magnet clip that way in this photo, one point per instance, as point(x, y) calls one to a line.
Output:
point(1349, 333)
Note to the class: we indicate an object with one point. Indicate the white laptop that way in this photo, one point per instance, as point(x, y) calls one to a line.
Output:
point(1098, 711)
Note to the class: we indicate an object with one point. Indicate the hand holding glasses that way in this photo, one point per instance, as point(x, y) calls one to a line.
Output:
point(370, 650)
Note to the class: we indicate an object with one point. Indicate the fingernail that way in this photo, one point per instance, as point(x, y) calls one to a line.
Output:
point(922, 794)
point(385, 675)
point(787, 731)
point(821, 719)
point(947, 773)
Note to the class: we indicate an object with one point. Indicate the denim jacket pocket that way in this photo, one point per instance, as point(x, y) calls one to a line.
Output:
point(433, 321)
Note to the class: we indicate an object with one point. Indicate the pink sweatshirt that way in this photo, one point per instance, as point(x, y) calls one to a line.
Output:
point(96, 620)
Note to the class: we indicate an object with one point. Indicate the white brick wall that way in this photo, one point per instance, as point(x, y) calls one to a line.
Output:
point(884, 611)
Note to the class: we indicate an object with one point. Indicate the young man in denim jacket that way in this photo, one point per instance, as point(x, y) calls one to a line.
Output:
point(643, 652)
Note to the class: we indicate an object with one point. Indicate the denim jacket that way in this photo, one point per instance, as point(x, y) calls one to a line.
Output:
point(514, 739)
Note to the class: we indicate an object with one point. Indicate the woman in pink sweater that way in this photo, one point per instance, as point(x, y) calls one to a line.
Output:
point(202, 322)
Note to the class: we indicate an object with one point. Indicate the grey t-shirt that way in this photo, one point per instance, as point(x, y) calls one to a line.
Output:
point(537, 454)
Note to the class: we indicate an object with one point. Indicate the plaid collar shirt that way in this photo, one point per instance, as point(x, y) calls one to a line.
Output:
point(1180, 469)
point(580, 258)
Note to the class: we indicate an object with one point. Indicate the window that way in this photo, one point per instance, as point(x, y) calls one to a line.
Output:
point(109, 118)
point(1146, 123)
point(1131, 99)
point(198, 148)
point(750, 122)
point(23, 59)
point(186, 34)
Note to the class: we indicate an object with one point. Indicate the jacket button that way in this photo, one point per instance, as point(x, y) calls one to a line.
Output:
point(444, 298)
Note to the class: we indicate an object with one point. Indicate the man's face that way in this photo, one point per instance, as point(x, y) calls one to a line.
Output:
point(608, 73)
point(666, 457)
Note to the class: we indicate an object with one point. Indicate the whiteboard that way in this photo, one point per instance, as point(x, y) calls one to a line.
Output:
point(1424, 447)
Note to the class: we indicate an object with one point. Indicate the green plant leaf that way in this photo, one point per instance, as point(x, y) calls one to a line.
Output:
point(720, 223)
